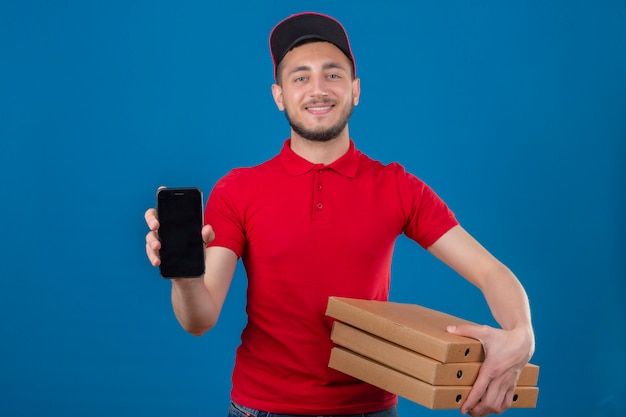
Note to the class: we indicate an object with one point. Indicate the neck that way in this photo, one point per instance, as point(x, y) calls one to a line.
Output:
point(320, 152)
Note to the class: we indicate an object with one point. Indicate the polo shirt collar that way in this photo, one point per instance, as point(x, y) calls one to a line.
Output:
point(295, 165)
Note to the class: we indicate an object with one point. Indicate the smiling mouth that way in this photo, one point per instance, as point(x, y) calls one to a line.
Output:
point(320, 109)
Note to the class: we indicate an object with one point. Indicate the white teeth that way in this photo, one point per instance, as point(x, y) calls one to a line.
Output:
point(319, 108)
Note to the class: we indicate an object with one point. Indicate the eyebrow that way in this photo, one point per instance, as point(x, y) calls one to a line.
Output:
point(326, 66)
point(333, 65)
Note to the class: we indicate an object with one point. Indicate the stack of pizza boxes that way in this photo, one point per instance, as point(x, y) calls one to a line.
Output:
point(406, 350)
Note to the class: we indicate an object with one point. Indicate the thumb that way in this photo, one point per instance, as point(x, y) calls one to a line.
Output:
point(468, 330)
point(207, 234)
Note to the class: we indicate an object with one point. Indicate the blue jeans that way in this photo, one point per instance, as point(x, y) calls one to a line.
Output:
point(237, 410)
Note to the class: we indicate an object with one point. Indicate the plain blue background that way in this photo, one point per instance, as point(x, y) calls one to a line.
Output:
point(513, 111)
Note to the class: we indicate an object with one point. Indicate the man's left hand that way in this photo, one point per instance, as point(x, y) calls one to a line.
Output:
point(506, 353)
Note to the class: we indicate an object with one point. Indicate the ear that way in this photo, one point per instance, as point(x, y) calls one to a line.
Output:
point(277, 92)
point(356, 91)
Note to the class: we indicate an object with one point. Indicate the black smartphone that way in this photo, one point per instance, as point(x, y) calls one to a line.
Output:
point(180, 232)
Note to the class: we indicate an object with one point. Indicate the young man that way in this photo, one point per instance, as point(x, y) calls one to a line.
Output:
point(321, 219)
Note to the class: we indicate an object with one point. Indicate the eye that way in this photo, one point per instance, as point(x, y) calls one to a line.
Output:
point(334, 76)
point(300, 79)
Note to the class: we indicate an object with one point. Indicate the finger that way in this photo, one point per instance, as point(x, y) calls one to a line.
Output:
point(498, 396)
point(153, 245)
point(508, 399)
point(151, 219)
point(501, 398)
point(208, 234)
point(152, 240)
point(153, 256)
point(482, 391)
point(490, 404)
point(476, 393)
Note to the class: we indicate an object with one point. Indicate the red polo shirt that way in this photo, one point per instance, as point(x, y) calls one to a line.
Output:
point(305, 232)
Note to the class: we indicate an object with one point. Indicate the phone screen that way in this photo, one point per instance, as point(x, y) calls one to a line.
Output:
point(181, 219)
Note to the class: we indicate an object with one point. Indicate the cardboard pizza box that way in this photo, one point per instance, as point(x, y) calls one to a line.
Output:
point(413, 363)
point(414, 327)
point(430, 396)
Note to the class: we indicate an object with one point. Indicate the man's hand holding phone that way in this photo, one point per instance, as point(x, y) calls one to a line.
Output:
point(177, 239)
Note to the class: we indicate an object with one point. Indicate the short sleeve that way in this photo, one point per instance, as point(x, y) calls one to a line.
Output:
point(428, 216)
point(223, 213)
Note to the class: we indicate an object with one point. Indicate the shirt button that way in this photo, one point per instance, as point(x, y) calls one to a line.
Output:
point(319, 187)
point(320, 206)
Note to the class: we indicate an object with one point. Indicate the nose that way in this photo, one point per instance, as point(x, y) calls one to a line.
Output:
point(318, 86)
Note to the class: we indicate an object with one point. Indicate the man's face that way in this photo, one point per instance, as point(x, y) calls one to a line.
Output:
point(317, 91)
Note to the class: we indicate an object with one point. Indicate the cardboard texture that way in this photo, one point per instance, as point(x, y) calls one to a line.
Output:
point(430, 396)
point(414, 364)
point(417, 328)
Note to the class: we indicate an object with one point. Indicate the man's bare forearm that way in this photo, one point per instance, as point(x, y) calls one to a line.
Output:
point(197, 302)
point(193, 305)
